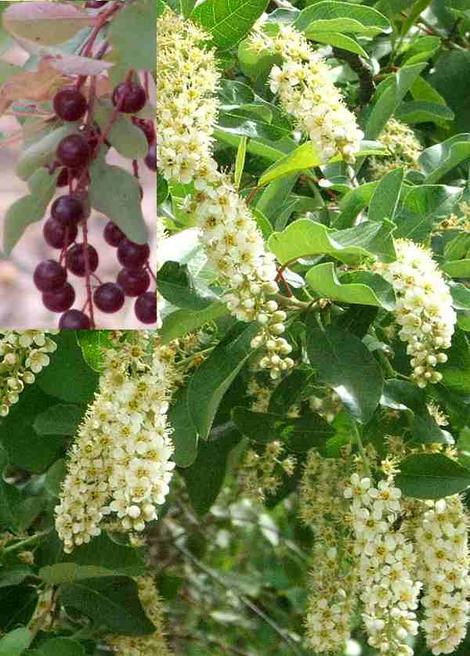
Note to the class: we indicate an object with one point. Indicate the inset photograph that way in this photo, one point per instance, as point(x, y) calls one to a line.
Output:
point(77, 164)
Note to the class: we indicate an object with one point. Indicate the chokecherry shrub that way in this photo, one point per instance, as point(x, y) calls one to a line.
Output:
point(313, 266)
point(87, 97)
point(282, 467)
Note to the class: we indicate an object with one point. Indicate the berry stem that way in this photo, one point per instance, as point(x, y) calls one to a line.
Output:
point(88, 275)
point(152, 275)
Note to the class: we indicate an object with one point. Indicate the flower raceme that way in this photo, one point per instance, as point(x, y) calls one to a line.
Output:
point(303, 84)
point(121, 461)
point(387, 561)
point(23, 355)
point(442, 545)
point(147, 645)
point(424, 309)
point(186, 114)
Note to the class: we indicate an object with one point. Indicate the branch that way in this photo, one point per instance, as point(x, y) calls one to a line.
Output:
point(363, 71)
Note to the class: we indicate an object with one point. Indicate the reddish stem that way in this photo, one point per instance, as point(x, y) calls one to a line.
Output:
point(88, 275)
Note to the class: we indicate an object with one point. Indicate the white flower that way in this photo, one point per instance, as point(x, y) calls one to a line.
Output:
point(22, 356)
point(187, 82)
point(306, 91)
point(424, 308)
point(444, 567)
point(388, 590)
point(121, 460)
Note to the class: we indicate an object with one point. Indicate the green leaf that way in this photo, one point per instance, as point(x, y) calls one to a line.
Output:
point(116, 193)
point(17, 605)
point(184, 434)
point(423, 112)
point(361, 288)
point(456, 371)
point(304, 157)
point(28, 209)
point(128, 139)
point(212, 379)
point(45, 23)
point(132, 35)
point(25, 448)
point(60, 419)
point(42, 151)
point(93, 343)
point(68, 377)
point(384, 201)
point(182, 322)
point(71, 572)
point(9, 496)
point(228, 21)
point(55, 476)
point(431, 476)
point(353, 202)
point(112, 602)
point(439, 159)
point(15, 642)
point(176, 284)
point(203, 489)
point(299, 434)
point(61, 647)
point(422, 207)
point(103, 551)
point(339, 40)
point(448, 77)
point(457, 268)
point(333, 16)
point(387, 98)
point(304, 238)
point(344, 363)
point(240, 163)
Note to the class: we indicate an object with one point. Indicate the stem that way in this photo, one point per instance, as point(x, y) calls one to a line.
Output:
point(362, 450)
point(27, 541)
point(245, 601)
point(88, 275)
point(363, 71)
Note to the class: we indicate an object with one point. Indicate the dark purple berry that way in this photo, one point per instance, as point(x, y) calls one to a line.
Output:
point(58, 235)
point(132, 255)
point(60, 299)
point(69, 104)
point(109, 297)
point(74, 320)
point(112, 234)
point(95, 4)
point(74, 151)
point(146, 307)
point(133, 283)
point(49, 275)
point(151, 158)
point(67, 210)
point(130, 97)
point(75, 259)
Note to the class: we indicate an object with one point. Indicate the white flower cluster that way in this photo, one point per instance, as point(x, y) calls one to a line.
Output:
point(442, 545)
point(402, 146)
point(306, 91)
point(146, 645)
point(424, 308)
point(121, 460)
point(386, 564)
point(187, 85)
point(333, 579)
point(235, 247)
point(23, 355)
point(187, 81)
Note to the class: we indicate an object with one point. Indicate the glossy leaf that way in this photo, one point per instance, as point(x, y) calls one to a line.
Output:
point(342, 362)
point(360, 288)
point(432, 476)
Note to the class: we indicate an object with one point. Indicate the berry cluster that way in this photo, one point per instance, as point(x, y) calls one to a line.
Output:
point(69, 214)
